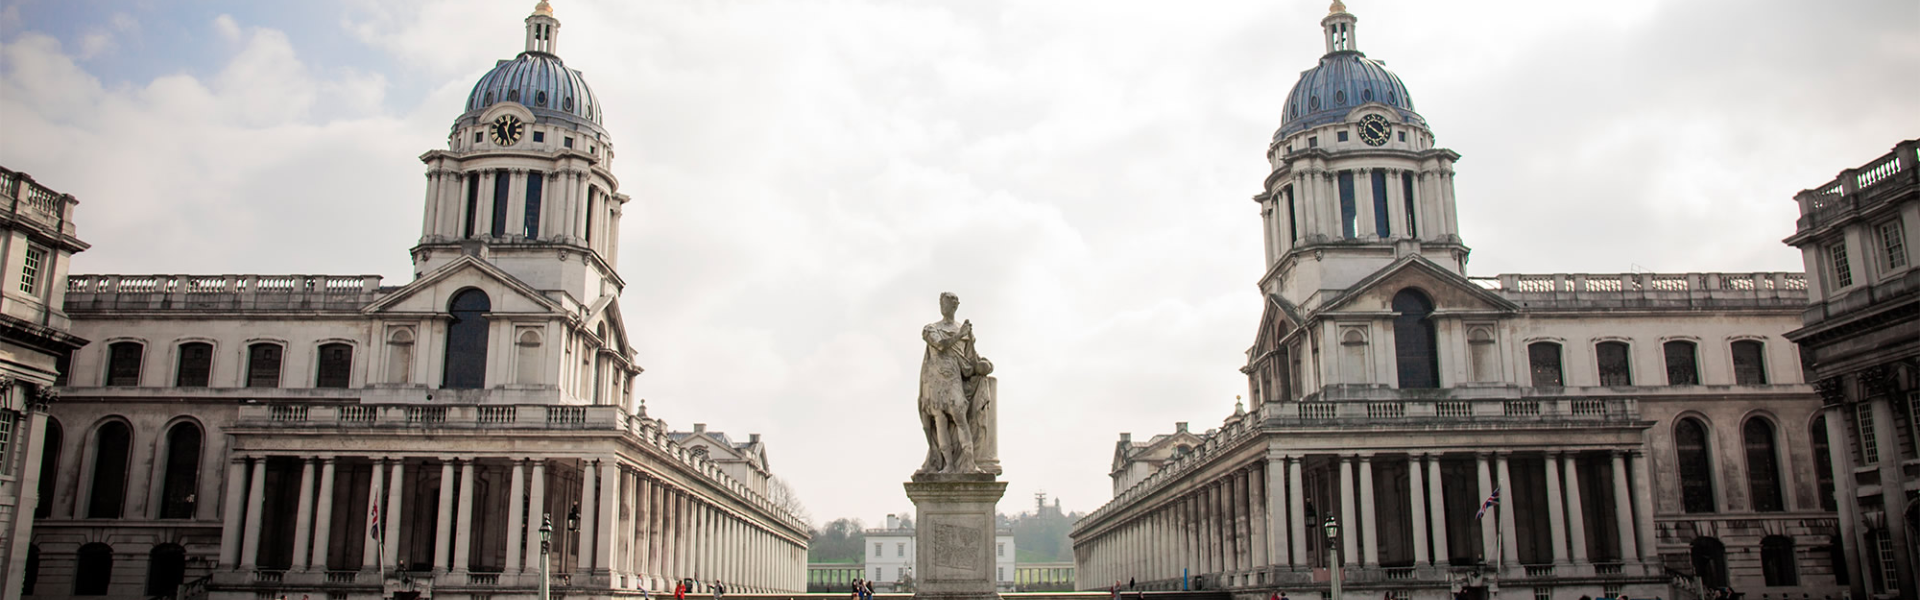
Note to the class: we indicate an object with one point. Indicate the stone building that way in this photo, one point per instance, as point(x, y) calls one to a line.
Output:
point(255, 436)
point(39, 241)
point(1649, 434)
point(890, 554)
point(1862, 338)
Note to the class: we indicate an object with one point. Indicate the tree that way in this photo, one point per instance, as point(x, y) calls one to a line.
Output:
point(782, 495)
point(841, 541)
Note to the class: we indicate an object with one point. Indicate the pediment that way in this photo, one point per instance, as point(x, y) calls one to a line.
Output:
point(606, 310)
point(1449, 291)
point(430, 293)
point(1278, 320)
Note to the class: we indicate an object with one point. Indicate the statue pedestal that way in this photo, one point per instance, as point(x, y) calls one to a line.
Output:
point(954, 535)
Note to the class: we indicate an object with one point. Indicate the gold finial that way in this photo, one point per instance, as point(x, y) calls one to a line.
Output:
point(543, 8)
point(1337, 8)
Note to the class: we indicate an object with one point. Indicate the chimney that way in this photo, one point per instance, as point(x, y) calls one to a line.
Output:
point(699, 427)
point(753, 438)
point(893, 522)
point(1126, 437)
point(1180, 427)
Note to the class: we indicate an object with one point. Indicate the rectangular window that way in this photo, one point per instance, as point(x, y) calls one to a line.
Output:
point(568, 142)
point(1340, 136)
point(1293, 222)
point(1894, 242)
point(1544, 358)
point(1001, 549)
point(1869, 444)
point(539, 136)
point(535, 180)
point(593, 204)
point(30, 272)
point(1615, 368)
point(1682, 366)
point(123, 363)
point(263, 366)
point(1382, 224)
point(1889, 563)
point(1749, 363)
point(1842, 274)
point(473, 203)
point(196, 365)
point(900, 549)
point(876, 554)
point(502, 181)
point(1349, 218)
point(1313, 141)
point(7, 420)
point(1406, 197)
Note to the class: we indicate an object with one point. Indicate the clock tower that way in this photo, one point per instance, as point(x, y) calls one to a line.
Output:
point(1357, 182)
point(526, 180)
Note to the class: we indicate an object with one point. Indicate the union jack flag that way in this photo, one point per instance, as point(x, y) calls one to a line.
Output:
point(1491, 502)
point(373, 520)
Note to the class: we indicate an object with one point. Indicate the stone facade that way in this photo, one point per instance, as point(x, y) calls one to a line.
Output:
point(891, 554)
point(38, 244)
point(247, 436)
point(1862, 340)
point(1649, 434)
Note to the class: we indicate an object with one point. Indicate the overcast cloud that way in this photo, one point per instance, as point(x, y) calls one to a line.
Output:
point(808, 175)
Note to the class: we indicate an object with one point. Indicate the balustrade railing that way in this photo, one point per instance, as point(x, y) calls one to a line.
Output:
point(34, 201)
point(1393, 410)
point(342, 576)
point(1859, 188)
point(1535, 288)
point(220, 292)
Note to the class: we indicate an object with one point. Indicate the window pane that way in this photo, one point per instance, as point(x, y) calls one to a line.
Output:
point(123, 363)
point(1842, 273)
point(263, 365)
point(1696, 467)
point(1749, 363)
point(1893, 242)
point(1614, 369)
point(1681, 368)
point(336, 366)
point(178, 497)
point(1544, 358)
point(109, 490)
point(1414, 341)
point(1823, 463)
point(1763, 467)
point(196, 365)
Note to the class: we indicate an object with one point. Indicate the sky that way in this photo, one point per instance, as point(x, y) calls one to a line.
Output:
point(808, 175)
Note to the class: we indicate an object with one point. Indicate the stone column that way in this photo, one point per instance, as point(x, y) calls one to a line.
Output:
point(1509, 539)
point(463, 534)
point(370, 545)
point(609, 486)
point(1576, 516)
point(395, 506)
point(1277, 524)
point(231, 524)
point(516, 517)
point(1845, 496)
point(1437, 502)
point(1259, 515)
point(324, 515)
point(1222, 527)
point(1643, 509)
point(1243, 517)
point(256, 503)
point(303, 519)
point(588, 500)
point(1396, 209)
point(1297, 525)
point(1623, 507)
point(1363, 203)
point(1487, 533)
point(536, 513)
point(443, 528)
point(1555, 516)
point(642, 528)
point(1347, 513)
point(1367, 512)
point(1417, 502)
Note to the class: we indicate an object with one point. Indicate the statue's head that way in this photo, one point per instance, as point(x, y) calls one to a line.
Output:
point(948, 303)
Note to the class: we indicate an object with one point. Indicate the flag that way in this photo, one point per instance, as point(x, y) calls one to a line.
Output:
point(373, 520)
point(1491, 502)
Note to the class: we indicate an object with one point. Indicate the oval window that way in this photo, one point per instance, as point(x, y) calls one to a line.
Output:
point(540, 98)
point(1392, 99)
point(1366, 95)
point(1313, 103)
point(489, 98)
point(513, 95)
point(1340, 97)
point(567, 103)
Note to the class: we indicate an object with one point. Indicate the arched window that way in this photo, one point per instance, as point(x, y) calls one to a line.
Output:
point(467, 340)
point(166, 569)
point(49, 468)
point(1615, 368)
point(196, 365)
point(109, 491)
point(1763, 466)
point(1749, 363)
point(1710, 562)
point(94, 573)
point(1696, 465)
point(263, 365)
point(1776, 561)
point(1682, 366)
point(400, 355)
point(1413, 340)
point(1543, 358)
point(335, 366)
point(177, 495)
point(1823, 462)
point(123, 363)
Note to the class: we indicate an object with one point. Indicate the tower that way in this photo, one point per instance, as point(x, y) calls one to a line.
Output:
point(526, 182)
point(1357, 182)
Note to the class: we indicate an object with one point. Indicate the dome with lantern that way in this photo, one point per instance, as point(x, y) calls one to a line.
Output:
point(537, 78)
point(1344, 80)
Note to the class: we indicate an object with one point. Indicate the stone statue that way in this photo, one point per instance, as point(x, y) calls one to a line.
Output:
point(956, 397)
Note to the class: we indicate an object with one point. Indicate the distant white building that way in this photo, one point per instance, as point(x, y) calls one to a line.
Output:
point(889, 556)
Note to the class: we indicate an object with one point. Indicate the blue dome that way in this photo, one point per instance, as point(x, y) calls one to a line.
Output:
point(1342, 82)
point(539, 81)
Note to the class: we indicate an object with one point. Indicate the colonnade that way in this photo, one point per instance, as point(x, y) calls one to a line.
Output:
point(1244, 522)
point(634, 530)
point(573, 202)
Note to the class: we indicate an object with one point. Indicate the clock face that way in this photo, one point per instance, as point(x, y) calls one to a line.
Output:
point(1374, 130)
point(506, 130)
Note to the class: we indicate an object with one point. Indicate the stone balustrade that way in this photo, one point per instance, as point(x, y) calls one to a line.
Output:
point(31, 202)
point(1632, 290)
point(221, 293)
point(1854, 189)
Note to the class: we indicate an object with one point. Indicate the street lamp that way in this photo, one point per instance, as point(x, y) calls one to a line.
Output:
point(1333, 539)
point(546, 544)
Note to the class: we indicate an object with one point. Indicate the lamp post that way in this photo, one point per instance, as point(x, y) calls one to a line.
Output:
point(546, 544)
point(1333, 544)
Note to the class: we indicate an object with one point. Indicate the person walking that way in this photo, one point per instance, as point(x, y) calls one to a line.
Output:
point(719, 589)
point(679, 590)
